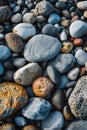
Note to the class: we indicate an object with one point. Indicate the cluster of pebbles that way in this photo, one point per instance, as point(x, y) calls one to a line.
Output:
point(43, 65)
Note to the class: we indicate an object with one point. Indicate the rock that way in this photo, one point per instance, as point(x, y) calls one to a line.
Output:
point(67, 47)
point(5, 13)
point(5, 53)
point(7, 126)
point(54, 18)
point(63, 36)
point(60, 5)
point(1, 2)
point(24, 30)
point(63, 81)
point(54, 121)
point(65, 22)
point(58, 99)
point(70, 84)
point(53, 74)
point(81, 57)
point(30, 127)
point(1, 69)
point(8, 64)
point(16, 18)
point(78, 31)
point(68, 92)
point(8, 75)
point(77, 125)
point(27, 74)
point(13, 97)
point(78, 98)
point(85, 14)
point(35, 48)
point(14, 42)
point(21, 121)
point(43, 87)
point(46, 30)
point(63, 62)
point(37, 109)
point(40, 19)
point(19, 62)
point(29, 18)
point(73, 74)
point(44, 8)
point(78, 42)
point(82, 5)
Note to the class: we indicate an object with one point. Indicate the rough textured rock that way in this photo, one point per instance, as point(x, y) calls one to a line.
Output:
point(78, 99)
point(12, 98)
point(7, 126)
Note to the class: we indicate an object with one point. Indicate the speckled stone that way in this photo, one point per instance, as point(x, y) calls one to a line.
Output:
point(30, 127)
point(78, 99)
point(7, 126)
point(37, 109)
point(13, 97)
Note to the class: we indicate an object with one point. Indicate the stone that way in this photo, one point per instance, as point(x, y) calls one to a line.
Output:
point(78, 42)
point(78, 98)
point(7, 126)
point(78, 31)
point(81, 57)
point(5, 52)
point(63, 62)
point(30, 127)
point(37, 109)
point(29, 18)
point(19, 62)
point(36, 46)
point(14, 42)
point(58, 99)
point(67, 47)
point(43, 87)
point(65, 22)
point(46, 30)
point(8, 75)
point(16, 18)
point(40, 19)
point(44, 8)
point(1, 69)
point(54, 121)
point(77, 125)
point(63, 81)
point(82, 5)
point(63, 36)
point(27, 74)
point(5, 13)
point(24, 30)
point(85, 14)
point(70, 84)
point(21, 121)
point(13, 97)
point(73, 74)
point(54, 19)
point(53, 74)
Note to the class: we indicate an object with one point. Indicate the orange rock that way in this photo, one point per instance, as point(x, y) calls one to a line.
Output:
point(12, 98)
point(78, 42)
point(42, 87)
point(30, 127)
point(7, 126)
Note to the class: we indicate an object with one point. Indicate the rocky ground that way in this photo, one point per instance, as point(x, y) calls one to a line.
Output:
point(43, 65)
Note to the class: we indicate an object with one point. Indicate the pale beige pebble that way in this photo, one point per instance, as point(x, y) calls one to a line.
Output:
point(29, 18)
point(65, 23)
point(7, 126)
point(30, 127)
point(85, 14)
point(16, 18)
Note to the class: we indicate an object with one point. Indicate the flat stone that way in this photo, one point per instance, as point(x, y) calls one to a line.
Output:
point(78, 99)
point(27, 74)
point(12, 98)
point(37, 109)
point(7, 126)
point(41, 48)
point(82, 5)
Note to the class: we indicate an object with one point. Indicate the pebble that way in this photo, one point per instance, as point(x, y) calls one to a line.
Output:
point(54, 121)
point(85, 14)
point(19, 62)
point(60, 5)
point(70, 84)
point(16, 18)
point(8, 75)
point(29, 18)
point(63, 62)
point(5, 52)
point(9, 65)
point(37, 109)
point(77, 99)
point(1, 29)
point(7, 126)
point(83, 71)
point(30, 127)
point(44, 8)
point(73, 74)
point(1, 36)
point(24, 30)
point(78, 42)
point(1, 69)
point(53, 74)
point(13, 97)
point(36, 46)
point(5, 13)
point(82, 5)
point(40, 18)
point(27, 74)
point(14, 42)
point(81, 57)
point(63, 36)
point(78, 31)
point(54, 19)
point(65, 22)
point(46, 30)
point(43, 87)
point(68, 92)
point(58, 99)
point(63, 81)
point(78, 125)
point(20, 121)
point(67, 47)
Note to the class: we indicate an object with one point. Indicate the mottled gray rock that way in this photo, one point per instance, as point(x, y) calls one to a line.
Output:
point(82, 5)
point(63, 62)
point(37, 109)
point(78, 99)
point(16, 18)
point(20, 121)
point(19, 62)
point(41, 48)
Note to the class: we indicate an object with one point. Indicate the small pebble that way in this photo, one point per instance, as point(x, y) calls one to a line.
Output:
point(63, 36)
point(67, 113)
point(20, 121)
point(16, 18)
point(78, 42)
point(54, 19)
point(19, 62)
point(67, 47)
point(29, 18)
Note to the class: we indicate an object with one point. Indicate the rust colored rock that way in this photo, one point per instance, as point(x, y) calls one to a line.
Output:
point(30, 127)
point(78, 42)
point(7, 126)
point(14, 42)
point(42, 87)
point(12, 98)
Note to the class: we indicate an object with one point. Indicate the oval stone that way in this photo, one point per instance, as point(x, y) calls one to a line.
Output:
point(82, 5)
